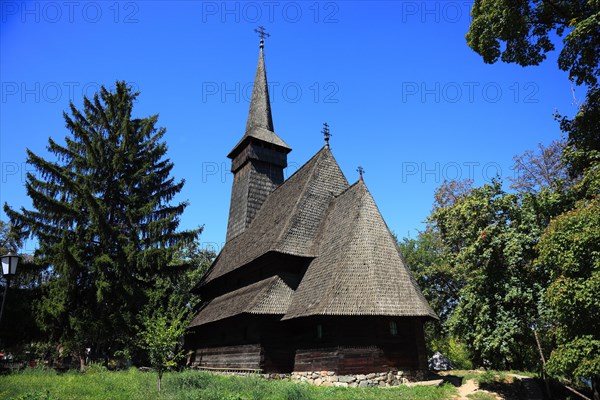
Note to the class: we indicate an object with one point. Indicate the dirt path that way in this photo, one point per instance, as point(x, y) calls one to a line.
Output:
point(531, 388)
point(470, 386)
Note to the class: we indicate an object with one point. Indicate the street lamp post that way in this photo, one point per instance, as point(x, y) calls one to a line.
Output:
point(9, 269)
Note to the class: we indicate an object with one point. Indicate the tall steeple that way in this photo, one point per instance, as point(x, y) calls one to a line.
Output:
point(258, 160)
point(259, 115)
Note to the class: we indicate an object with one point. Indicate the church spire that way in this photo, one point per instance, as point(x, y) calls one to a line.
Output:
point(259, 115)
point(259, 158)
point(260, 122)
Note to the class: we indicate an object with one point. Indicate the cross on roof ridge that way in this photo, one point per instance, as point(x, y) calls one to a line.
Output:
point(326, 133)
point(262, 33)
point(361, 171)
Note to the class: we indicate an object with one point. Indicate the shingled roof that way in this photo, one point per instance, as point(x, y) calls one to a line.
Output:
point(359, 270)
point(354, 267)
point(269, 296)
point(289, 219)
point(260, 121)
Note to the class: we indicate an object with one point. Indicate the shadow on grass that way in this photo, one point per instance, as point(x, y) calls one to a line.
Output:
point(508, 389)
point(454, 380)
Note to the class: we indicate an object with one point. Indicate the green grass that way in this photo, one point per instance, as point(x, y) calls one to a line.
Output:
point(132, 384)
point(481, 396)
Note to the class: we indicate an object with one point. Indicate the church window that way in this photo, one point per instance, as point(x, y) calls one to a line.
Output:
point(393, 328)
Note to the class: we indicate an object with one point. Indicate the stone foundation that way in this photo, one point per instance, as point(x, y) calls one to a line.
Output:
point(379, 379)
point(329, 378)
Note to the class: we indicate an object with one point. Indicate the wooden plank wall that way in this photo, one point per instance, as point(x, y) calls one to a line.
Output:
point(354, 360)
point(360, 345)
point(248, 356)
point(347, 346)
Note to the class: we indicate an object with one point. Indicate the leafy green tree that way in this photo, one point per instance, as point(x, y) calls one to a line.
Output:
point(103, 217)
point(569, 250)
point(441, 285)
point(424, 256)
point(172, 295)
point(192, 261)
point(489, 237)
point(162, 336)
point(583, 130)
point(521, 32)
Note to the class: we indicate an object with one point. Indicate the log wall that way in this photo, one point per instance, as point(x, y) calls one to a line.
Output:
point(347, 345)
point(242, 357)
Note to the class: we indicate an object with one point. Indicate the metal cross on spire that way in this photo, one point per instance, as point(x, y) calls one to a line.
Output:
point(326, 133)
point(361, 171)
point(262, 33)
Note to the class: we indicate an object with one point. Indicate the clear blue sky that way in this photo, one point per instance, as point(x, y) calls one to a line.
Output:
point(404, 95)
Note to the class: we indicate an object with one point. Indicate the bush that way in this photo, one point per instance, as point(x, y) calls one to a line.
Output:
point(454, 350)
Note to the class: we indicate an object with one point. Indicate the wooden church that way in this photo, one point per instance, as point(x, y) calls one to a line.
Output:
point(310, 277)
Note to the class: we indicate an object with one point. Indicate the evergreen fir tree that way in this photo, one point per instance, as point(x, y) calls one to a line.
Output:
point(103, 216)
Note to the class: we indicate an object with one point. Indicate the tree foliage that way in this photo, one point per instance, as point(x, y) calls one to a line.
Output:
point(161, 335)
point(104, 216)
point(440, 284)
point(521, 32)
point(583, 130)
point(570, 252)
point(489, 236)
point(9, 239)
point(517, 262)
point(18, 327)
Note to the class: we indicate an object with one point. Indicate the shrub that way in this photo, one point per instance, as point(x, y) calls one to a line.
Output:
point(454, 350)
